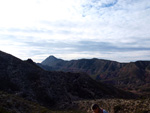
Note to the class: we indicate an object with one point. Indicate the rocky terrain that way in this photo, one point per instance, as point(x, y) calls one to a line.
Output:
point(14, 104)
point(133, 76)
point(51, 89)
point(27, 88)
point(117, 105)
point(10, 103)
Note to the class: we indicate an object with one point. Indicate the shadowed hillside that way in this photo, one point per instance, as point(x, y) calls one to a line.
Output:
point(51, 89)
point(13, 104)
point(129, 76)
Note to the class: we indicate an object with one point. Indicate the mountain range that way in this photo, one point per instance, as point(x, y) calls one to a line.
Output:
point(51, 88)
point(133, 76)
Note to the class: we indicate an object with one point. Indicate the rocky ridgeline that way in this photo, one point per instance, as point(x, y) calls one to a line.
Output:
point(51, 89)
point(128, 76)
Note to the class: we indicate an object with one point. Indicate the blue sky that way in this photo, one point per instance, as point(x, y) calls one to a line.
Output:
point(72, 29)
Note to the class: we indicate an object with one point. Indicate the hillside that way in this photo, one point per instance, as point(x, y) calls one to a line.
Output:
point(51, 89)
point(10, 103)
point(129, 76)
point(117, 105)
point(14, 104)
point(90, 66)
point(134, 75)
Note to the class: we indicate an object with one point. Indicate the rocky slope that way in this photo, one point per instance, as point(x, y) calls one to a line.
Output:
point(51, 89)
point(117, 105)
point(91, 66)
point(10, 103)
point(130, 76)
point(13, 104)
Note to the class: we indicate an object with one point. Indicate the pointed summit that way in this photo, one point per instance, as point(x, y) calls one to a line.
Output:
point(51, 60)
point(52, 57)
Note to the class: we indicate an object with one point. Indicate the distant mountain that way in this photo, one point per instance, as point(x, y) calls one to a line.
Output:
point(91, 66)
point(51, 89)
point(51, 61)
point(130, 76)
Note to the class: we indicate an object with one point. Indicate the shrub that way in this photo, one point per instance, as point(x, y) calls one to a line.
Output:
point(117, 108)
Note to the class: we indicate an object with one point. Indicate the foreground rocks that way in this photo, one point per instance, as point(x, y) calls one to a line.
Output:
point(117, 105)
point(13, 104)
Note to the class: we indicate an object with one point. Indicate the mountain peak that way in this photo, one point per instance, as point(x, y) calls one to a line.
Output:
point(51, 60)
point(52, 57)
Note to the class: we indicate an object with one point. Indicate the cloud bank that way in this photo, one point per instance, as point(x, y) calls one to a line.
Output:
point(71, 29)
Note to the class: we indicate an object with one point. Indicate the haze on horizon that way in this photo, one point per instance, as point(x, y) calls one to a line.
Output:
point(73, 29)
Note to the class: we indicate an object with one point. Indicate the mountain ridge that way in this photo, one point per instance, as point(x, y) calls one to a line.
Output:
point(132, 75)
point(51, 88)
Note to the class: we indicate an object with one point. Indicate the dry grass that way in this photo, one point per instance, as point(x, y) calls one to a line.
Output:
point(117, 105)
point(13, 104)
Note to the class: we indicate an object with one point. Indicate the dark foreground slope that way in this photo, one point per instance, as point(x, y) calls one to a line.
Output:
point(13, 104)
point(130, 76)
point(26, 79)
point(10, 103)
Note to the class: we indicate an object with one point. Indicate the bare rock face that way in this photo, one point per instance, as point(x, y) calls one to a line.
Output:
point(26, 79)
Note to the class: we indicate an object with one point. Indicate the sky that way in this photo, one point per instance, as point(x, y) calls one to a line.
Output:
point(116, 30)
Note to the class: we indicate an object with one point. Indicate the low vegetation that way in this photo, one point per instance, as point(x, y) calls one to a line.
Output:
point(14, 104)
point(118, 105)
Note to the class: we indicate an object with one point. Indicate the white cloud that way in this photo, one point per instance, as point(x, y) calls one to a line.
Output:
point(123, 23)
